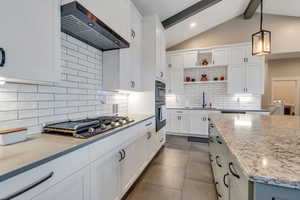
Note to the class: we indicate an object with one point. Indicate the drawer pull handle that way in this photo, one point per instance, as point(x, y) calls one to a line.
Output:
point(217, 161)
point(29, 187)
point(232, 171)
point(122, 156)
point(124, 153)
point(2, 62)
point(224, 180)
point(149, 124)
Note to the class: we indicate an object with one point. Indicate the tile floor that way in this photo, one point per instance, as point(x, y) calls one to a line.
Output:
point(181, 171)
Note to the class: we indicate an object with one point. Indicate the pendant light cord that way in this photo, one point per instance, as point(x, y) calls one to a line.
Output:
point(261, 15)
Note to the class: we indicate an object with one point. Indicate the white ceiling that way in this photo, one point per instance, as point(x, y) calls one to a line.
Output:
point(163, 8)
point(282, 7)
point(209, 18)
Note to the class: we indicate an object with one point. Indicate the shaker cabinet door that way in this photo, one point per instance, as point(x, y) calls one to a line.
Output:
point(30, 38)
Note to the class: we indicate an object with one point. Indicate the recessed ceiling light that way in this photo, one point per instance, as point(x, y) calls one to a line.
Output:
point(193, 24)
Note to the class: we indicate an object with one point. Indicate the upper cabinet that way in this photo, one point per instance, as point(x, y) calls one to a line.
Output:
point(115, 14)
point(30, 39)
point(190, 59)
point(122, 68)
point(175, 74)
point(154, 51)
point(220, 56)
point(245, 72)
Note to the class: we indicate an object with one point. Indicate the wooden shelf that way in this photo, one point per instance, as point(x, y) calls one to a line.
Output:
point(205, 67)
point(204, 82)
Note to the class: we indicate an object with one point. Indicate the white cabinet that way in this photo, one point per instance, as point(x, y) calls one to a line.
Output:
point(105, 177)
point(115, 14)
point(220, 56)
point(179, 121)
point(160, 52)
point(128, 167)
point(154, 51)
point(190, 59)
point(255, 77)
point(245, 72)
point(75, 187)
point(122, 68)
point(236, 79)
point(198, 122)
point(175, 74)
point(31, 44)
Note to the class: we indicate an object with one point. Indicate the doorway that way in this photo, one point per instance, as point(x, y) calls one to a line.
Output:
point(285, 91)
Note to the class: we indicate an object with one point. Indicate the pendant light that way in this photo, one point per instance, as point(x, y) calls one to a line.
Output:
point(261, 41)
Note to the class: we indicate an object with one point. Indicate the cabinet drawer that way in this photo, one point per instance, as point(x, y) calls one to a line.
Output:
point(123, 137)
point(44, 176)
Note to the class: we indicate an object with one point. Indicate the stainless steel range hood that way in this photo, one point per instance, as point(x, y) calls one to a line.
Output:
point(80, 23)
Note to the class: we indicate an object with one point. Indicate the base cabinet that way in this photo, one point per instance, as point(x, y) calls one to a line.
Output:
point(105, 173)
point(75, 187)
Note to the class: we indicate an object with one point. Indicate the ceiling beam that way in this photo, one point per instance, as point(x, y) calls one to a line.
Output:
point(188, 12)
point(251, 8)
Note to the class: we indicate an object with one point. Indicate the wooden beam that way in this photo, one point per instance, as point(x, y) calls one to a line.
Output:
point(251, 8)
point(188, 12)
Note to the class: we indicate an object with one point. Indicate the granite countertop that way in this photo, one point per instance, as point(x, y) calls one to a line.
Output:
point(218, 109)
point(42, 148)
point(267, 147)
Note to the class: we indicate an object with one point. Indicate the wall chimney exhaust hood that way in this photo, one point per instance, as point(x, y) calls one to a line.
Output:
point(80, 23)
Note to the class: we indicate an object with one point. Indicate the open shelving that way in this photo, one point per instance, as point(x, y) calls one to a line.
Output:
point(204, 82)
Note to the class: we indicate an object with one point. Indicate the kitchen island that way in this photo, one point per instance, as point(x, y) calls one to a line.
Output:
point(255, 157)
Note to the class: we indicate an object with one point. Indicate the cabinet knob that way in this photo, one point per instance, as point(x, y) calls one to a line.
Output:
point(132, 84)
point(2, 57)
point(161, 74)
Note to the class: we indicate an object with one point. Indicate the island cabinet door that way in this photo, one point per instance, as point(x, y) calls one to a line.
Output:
point(105, 177)
point(239, 183)
point(75, 187)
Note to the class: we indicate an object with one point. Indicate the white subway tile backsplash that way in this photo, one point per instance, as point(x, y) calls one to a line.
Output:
point(217, 95)
point(74, 97)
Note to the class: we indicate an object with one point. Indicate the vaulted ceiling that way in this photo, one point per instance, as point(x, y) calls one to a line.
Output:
point(210, 17)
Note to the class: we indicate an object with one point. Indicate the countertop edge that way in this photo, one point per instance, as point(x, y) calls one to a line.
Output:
point(28, 167)
point(260, 179)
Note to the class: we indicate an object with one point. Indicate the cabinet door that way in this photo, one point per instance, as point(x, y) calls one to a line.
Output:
point(105, 178)
point(220, 57)
point(31, 43)
point(198, 123)
point(185, 122)
point(190, 59)
point(135, 49)
point(160, 52)
point(128, 167)
point(176, 74)
point(236, 79)
point(237, 55)
point(75, 187)
point(255, 78)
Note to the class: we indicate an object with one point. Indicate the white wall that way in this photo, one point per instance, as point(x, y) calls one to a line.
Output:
point(78, 95)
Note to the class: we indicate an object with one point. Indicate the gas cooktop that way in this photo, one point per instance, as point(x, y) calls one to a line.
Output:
point(86, 128)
